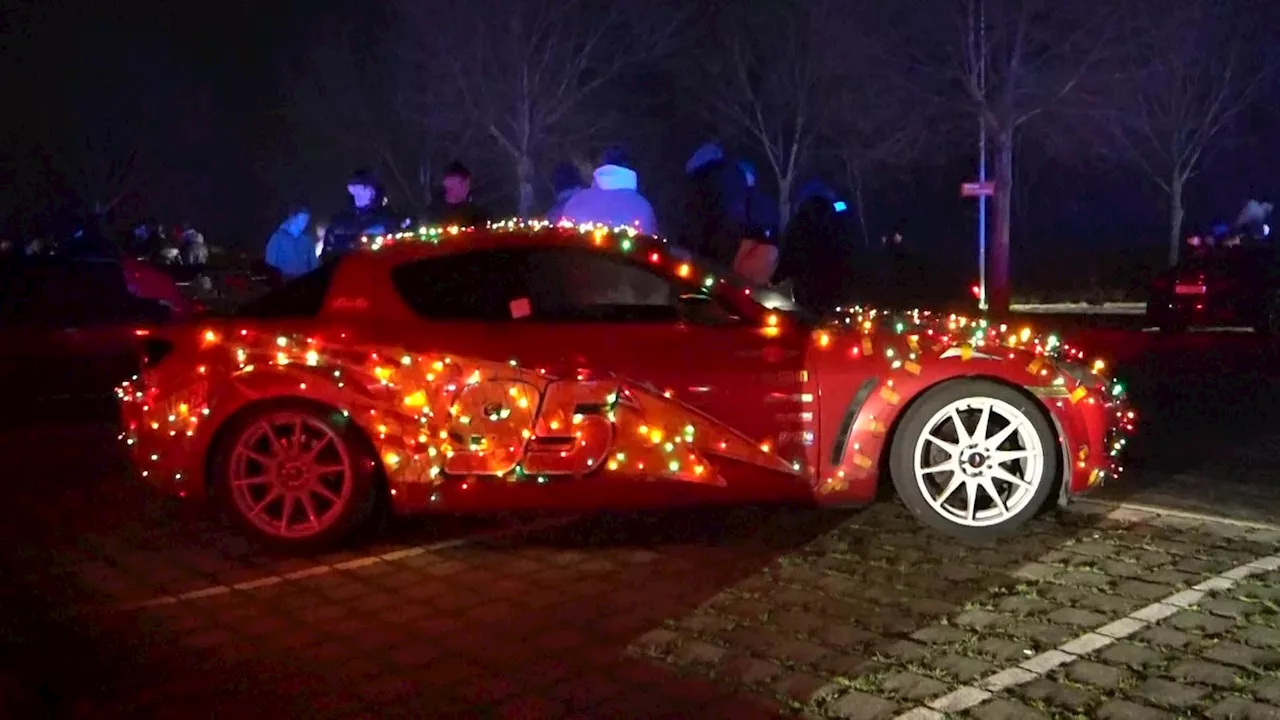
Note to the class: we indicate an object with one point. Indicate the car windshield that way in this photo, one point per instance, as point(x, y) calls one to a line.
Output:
point(770, 298)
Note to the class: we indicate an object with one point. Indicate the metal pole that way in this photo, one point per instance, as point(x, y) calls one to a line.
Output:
point(982, 157)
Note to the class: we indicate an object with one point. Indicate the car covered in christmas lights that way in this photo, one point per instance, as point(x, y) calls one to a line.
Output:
point(529, 367)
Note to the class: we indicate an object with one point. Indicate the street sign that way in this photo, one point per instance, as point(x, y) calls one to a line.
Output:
point(978, 189)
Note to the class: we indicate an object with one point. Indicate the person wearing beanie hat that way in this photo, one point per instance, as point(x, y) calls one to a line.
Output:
point(715, 203)
point(567, 182)
point(458, 208)
point(367, 215)
point(613, 199)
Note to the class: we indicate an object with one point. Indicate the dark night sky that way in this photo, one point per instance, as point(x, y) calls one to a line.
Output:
point(212, 78)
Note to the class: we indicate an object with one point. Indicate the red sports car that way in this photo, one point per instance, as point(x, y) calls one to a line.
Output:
point(534, 367)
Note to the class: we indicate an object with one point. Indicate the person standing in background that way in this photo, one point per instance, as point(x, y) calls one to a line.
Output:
point(368, 214)
point(458, 208)
point(291, 251)
point(613, 199)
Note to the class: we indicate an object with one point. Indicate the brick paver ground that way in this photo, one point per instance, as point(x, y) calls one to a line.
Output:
point(740, 613)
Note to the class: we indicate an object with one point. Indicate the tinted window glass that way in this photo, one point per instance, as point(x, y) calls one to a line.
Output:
point(567, 284)
point(468, 286)
point(298, 298)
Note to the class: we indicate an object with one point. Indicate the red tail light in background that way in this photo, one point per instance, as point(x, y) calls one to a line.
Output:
point(977, 291)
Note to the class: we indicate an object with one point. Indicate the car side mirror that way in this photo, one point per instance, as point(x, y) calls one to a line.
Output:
point(702, 309)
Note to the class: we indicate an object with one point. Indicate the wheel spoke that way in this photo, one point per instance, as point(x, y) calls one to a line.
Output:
point(971, 501)
point(257, 510)
point(310, 508)
point(257, 457)
point(298, 433)
point(999, 457)
point(276, 447)
point(1005, 433)
point(962, 433)
point(315, 449)
point(284, 514)
point(250, 481)
point(956, 481)
point(941, 467)
point(325, 493)
point(990, 489)
point(951, 449)
point(1000, 473)
point(330, 469)
point(984, 420)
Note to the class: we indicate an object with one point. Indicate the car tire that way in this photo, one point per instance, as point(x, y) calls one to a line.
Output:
point(940, 497)
point(309, 472)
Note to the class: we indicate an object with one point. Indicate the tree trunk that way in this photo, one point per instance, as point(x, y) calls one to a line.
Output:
point(1176, 213)
point(999, 291)
point(524, 181)
point(784, 201)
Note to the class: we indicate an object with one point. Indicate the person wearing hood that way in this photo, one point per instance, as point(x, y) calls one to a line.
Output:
point(367, 215)
point(817, 252)
point(612, 199)
point(567, 182)
point(291, 250)
point(714, 220)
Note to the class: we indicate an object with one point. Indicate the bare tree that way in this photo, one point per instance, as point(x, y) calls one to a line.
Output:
point(526, 73)
point(1196, 71)
point(769, 76)
point(1009, 63)
point(875, 128)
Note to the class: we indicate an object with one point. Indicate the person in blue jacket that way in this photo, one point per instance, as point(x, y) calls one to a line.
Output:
point(291, 249)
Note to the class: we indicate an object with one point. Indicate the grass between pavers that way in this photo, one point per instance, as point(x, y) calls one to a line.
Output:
point(1005, 614)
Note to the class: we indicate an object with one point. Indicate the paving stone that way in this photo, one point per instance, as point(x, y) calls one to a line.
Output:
point(1204, 673)
point(1024, 605)
point(1130, 655)
point(1243, 656)
point(1168, 694)
point(1077, 618)
point(1001, 709)
point(1259, 636)
point(961, 667)
point(1125, 710)
point(1003, 651)
point(1227, 607)
point(905, 650)
point(1068, 697)
point(979, 619)
point(855, 705)
point(749, 670)
point(1166, 637)
point(1266, 689)
point(1201, 623)
point(940, 635)
point(1142, 590)
point(1106, 677)
point(1109, 605)
point(910, 686)
point(1037, 571)
point(1042, 634)
point(1238, 708)
point(1084, 578)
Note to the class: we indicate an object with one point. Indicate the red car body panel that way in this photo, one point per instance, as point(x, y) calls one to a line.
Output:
point(145, 281)
point(529, 415)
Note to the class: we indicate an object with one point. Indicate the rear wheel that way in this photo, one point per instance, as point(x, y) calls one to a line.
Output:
point(296, 476)
point(975, 459)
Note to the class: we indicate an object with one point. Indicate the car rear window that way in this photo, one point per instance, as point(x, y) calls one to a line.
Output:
point(474, 286)
point(301, 297)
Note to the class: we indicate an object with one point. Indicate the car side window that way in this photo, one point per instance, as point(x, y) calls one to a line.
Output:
point(579, 285)
point(301, 297)
point(478, 286)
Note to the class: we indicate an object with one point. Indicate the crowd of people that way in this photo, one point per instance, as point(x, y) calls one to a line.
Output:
point(725, 217)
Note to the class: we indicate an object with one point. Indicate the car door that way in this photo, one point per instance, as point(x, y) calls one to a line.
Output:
point(607, 314)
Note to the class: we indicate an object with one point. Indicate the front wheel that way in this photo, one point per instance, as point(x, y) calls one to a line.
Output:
point(295, 476)
point(974, 459)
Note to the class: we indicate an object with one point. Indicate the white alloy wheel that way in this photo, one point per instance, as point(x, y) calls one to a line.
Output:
point(978, 462)
point(974, 458)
